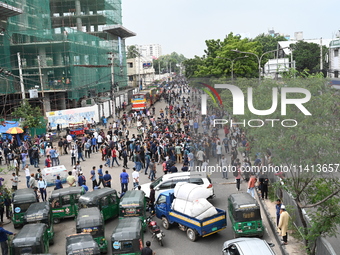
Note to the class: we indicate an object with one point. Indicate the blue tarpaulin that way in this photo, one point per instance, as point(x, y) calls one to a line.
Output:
point(5, 125)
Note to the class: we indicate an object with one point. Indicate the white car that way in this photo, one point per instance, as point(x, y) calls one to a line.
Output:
point(169, 181)
point(247, 246)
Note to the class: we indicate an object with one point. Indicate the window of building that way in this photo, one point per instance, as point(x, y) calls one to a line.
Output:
point(336, 74)
point(336, 53)
point(130, 65)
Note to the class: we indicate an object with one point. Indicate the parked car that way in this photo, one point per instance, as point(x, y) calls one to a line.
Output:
point(169, 181)
point(247, 246)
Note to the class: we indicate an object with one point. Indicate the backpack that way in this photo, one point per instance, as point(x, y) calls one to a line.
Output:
point(235, 173)
point(87, 146)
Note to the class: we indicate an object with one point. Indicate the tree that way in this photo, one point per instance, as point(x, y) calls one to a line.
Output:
point(31, 117)
point(218, 57)
point(173, 60)
point(307, 57)
point(307, 151)
point(269, 42)
point(132, 52)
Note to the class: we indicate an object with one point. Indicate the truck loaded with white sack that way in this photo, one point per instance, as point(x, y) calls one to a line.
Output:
point(187, 206)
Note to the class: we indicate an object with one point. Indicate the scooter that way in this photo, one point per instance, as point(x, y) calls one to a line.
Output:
point(155, 229)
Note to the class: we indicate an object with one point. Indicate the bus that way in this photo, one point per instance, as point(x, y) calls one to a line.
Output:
point(141, 101)
point(145, 99)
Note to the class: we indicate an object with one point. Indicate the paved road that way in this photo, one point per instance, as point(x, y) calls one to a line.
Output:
point(175, 241)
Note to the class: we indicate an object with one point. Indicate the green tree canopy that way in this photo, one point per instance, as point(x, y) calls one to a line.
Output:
point(307, 57)
point(173, 60)
point(269, 42)
point(218, 58)
point(132, 52)
point(309, 151)
point(30, 116)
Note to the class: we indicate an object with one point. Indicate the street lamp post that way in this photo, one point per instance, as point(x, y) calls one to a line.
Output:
point(258, 58)
point(232, 65)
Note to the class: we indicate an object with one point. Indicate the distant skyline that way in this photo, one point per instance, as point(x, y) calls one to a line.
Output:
point(182, 26)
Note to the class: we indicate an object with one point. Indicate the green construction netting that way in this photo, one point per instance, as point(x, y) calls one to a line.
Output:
point(69, 59)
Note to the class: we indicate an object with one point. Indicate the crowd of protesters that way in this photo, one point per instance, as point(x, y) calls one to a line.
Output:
point(177, 137)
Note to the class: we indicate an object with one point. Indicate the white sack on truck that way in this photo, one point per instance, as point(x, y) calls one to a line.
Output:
point(182, 206)
point(208, 213)
point(201, 206)
point(190, 192)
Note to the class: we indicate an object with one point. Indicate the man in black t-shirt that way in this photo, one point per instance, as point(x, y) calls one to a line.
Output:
point(147, 250)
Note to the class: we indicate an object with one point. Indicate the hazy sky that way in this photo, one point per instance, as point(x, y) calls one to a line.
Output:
point(184, 25)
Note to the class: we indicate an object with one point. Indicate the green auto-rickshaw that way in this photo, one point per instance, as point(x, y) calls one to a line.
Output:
point(105, 199)
point(90, 220)
point(41, 213)
point(81, 244)
point(127, 238)
point(31, 239)
point(245, 215)
point(22, 199)
point(64, 202)
point(133, 204)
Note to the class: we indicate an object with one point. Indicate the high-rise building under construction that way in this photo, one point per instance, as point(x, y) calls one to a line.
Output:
point(64, 49)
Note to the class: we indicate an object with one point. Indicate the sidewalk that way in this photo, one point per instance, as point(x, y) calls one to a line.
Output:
point(294, 245)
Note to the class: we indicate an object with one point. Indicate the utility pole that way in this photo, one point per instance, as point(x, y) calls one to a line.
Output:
point(159, 70)
point(113, 87)
point(21, 77)
point(42, 85)
point(321, 62)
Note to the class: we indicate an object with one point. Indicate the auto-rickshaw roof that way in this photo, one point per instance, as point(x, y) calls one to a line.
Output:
point(22, 196)
point(93, 196)
point(67, 191)
point(132, 198)
point(29, 235)
point(127, 229)
point(80, 243)
point(89, 217)
point(243, 201)
point(37, 211)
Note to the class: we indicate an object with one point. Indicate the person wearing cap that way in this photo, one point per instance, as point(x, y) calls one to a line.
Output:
point(75, 173)
point(81, 179)
point(283, 224)
point(31, 182)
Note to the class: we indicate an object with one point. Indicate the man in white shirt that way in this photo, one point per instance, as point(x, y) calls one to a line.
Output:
point(28, 175)
point(218, 152)
point(224, 167)
point(42, 188)
point(99, 140)
point(135, 177)
point(69, 139)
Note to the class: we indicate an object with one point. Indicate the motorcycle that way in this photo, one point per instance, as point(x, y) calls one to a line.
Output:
point(155, 230)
